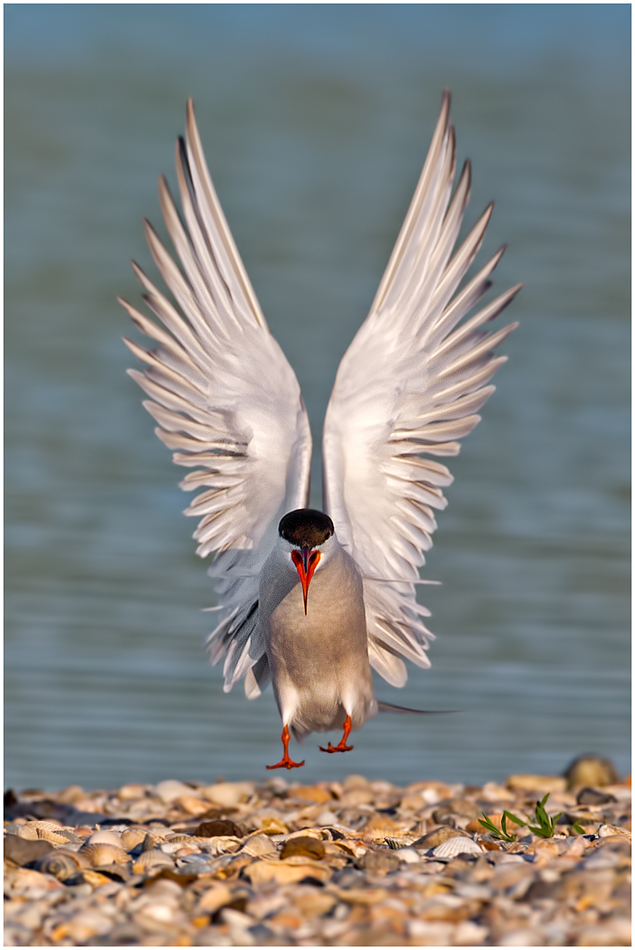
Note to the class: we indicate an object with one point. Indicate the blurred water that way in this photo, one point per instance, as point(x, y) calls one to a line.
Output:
point(316, 121)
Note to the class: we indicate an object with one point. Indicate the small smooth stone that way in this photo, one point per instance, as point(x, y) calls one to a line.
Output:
point(219, 827)
point(227, 794)
point(261, 871)
point(170, 789)
point(213, 898)
point(23, 851)
point(131, 792)
point(312, 793)
point(536, 783)
point(591, 770)
point(380, 861)
point(593, 796)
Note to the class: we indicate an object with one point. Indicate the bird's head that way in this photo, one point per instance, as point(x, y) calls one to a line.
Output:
point(306, 531)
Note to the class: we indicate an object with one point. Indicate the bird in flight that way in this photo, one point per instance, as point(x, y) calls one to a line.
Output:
point(311, 600)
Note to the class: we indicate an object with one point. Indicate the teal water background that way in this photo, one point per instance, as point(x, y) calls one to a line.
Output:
point(316, 121)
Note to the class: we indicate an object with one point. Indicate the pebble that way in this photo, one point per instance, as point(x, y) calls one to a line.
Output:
point(350, 863)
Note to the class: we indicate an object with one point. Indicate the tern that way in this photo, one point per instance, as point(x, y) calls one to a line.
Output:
point(311, 600)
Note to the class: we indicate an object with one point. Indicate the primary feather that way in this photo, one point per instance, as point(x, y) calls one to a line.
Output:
point(229, 405)
point(409, 387)
point(225, 399)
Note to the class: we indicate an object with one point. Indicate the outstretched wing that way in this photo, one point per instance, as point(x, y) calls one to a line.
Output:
point(225, 399)
point(408, 388)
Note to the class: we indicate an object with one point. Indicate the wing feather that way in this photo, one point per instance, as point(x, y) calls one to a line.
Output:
point(225, 399)
point(410, 386)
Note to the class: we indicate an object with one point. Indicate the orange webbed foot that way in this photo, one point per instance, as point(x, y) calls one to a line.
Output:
point(285, 762)
point(341, 747)
point(337, 748)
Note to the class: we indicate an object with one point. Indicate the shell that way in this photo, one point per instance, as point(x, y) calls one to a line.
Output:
point(62, 864)
point(396, 843)
point(459, 845)
point(151, 840)
point(131, 837)
point(48, 830)
point(153, 858)
point(104, 837)
point(258, 845)
point(100, 854)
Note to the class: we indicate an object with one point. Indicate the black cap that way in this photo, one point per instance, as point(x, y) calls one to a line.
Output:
point(306, 528)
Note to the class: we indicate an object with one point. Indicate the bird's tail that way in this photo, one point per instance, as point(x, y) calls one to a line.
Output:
point(388, 707)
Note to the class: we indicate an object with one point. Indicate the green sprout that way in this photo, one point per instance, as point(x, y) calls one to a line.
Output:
point(504, 834)
point(545, 826)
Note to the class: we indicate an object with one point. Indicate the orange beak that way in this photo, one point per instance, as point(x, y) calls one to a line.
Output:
point(305, 561)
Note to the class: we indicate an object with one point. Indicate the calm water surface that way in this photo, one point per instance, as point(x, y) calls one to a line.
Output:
point(316, 122)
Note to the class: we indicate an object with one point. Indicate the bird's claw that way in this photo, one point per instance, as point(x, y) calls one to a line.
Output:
point(337, 748)
point(286, 763)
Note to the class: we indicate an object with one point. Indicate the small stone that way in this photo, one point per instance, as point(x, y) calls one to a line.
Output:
point(357, 796)
point(23, 851)
point(593, 796)
point(227, 794)
point(192, 805)
point(312, 793)
point(170, 789)
point(536, 783)
point(214, 898)
point(283, 873)
point(380, 862)
point(131, 792)
point(591, 770)
point(219, 827)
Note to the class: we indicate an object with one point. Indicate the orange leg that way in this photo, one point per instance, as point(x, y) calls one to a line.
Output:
point(285, 762)
point(342, 747)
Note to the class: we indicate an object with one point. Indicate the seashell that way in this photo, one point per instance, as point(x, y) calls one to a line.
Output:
point(104, 837)
point(604, 831)
point(100, 854)
point(458, 845)
point(438, 836)
point(131, 837)
point(258, 845)
point(151, 840)
point(150, 859)
point(63, 864)
point(222, 844)
point(48, 830)
point(396, 843)
point(305, 845)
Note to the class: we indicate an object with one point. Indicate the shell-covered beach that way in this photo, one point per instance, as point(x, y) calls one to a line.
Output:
point(351, 863)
